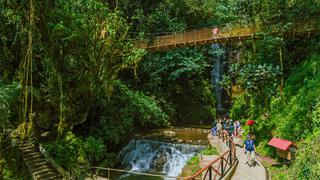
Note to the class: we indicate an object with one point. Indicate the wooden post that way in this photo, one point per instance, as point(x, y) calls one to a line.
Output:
point(230, 155)
point(222, 166)
point(210, 173)
point(195, 36)
point(185, 37)
point(175, 38)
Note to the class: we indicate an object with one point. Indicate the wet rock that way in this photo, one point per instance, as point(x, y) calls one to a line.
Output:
point(169, 133)
point(160, 161)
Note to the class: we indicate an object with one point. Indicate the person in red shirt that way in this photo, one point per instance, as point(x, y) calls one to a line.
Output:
point(215, 32)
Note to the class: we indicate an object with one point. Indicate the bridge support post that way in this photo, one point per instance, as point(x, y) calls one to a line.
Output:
point(230, 157)
point(222, 170)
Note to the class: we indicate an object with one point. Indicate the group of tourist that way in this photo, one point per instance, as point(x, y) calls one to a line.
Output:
point(225, 127)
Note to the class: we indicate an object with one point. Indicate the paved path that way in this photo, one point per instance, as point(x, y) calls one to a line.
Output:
point(243, 171)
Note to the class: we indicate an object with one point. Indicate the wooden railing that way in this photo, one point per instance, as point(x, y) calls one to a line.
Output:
point(219, 167)
point(197, 36)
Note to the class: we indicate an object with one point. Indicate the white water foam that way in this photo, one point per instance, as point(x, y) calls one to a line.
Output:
point(155, 156)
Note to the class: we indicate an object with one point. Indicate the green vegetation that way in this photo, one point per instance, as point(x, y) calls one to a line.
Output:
point(193, 164)
point(71, 78)
point(209, 151)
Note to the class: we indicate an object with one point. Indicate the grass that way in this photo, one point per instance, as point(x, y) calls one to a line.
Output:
point(193, 165)
point(209, 151)
point(279, 172)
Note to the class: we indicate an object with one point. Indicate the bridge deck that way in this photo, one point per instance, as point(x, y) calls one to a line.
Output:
point(206, 36)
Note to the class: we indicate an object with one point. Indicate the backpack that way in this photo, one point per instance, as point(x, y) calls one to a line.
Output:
point(249, 145)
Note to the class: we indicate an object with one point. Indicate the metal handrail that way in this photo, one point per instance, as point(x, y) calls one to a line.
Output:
point(137, 173)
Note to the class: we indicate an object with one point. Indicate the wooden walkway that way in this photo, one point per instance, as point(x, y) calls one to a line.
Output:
point(225, 34)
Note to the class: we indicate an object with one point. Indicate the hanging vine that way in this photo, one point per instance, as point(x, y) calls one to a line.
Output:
point(27, 114)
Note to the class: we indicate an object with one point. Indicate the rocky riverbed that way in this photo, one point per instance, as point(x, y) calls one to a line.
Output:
point(197, 136)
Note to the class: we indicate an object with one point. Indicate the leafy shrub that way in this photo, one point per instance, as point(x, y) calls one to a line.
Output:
point(9, 95)
point(307, 164)
point(127, 110)
point(7, 172)
point(239, 108)
point(299, 116)
point(94, 149)
point(193, 164)
point(75, 154)
point(210, 151)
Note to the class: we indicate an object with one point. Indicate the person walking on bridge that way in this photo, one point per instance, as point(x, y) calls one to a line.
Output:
point(215, 32)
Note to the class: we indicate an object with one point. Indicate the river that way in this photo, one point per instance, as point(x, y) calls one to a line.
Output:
point(162, 152)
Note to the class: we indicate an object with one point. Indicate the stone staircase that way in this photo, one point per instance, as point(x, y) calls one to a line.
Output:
point(38, 166)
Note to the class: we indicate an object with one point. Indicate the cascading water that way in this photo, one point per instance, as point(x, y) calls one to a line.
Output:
point(217, 73)
point(152, 156)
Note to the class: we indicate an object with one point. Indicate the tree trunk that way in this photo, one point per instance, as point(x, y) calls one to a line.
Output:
point(281, 67)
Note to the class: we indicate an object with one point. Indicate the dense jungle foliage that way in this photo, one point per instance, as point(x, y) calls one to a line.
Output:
point(71, 78)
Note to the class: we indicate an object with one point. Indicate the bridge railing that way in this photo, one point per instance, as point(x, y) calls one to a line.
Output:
point(193, 36)
point(219, 167)
point(205, 35)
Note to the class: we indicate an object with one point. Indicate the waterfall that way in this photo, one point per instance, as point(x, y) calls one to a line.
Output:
point(158, 157)
point(216, 74)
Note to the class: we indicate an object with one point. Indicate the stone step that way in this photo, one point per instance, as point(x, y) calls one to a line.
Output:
point(53, 177)
point(35, 161)
point(44, 171)
point(31, 154)
point(35, 156)
point(31, 158)
point(47, 175)
point(28, 150)
point(38, 163)
point(39, 167)
point(25, 143)
point(27, 147)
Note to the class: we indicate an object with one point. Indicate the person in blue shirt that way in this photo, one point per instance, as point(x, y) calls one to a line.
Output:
point(250, 149)
point(231, 129)
point(214, 129)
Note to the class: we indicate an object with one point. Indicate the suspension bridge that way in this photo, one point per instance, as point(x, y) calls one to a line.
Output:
point(210, 35)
